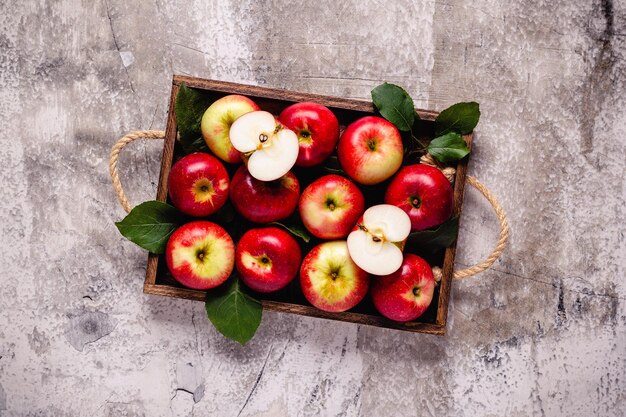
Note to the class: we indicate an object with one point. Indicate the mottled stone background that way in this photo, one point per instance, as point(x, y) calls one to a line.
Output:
point(542, 333)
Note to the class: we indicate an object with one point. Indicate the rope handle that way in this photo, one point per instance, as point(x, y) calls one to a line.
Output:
point(115, 153)
point(426, 159)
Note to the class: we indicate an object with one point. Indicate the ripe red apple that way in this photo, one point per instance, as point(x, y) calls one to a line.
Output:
point(330, 280)
point(424, 193)
point(370, 150)
point(200, 255)
point(267, 259)
point(198, 184)
point(317, 129)
point(330, 206)
point(406, 294)
point(264, 201)
point(216, 123)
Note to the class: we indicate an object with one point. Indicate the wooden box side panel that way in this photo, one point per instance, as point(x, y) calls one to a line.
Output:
point(273, 100)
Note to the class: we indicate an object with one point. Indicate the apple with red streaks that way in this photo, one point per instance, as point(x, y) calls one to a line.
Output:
point(330, 280)
point(424, 193)
point(217, 120)
point(330, 206)
point(200, 255)
point(198, 184)
point(317, 129)
point(370, 150)
point(264, 201)
point(406, 294)
point(267, 259)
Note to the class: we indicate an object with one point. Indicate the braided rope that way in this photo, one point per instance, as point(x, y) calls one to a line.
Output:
point(115, 152)
point(500, 214)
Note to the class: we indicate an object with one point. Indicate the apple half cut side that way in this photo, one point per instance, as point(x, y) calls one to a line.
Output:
point(375, 244)
point(272, 149)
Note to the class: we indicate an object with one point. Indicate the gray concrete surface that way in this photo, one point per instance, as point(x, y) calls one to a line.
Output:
point(541, 334)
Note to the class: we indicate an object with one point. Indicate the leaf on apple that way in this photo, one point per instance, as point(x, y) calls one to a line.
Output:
point(234, 313)
point(150, 225)
point(461, 118)
point(441, 236)
point(395, 105)
point(295, 230)
point(448, 148)
point(189, 109)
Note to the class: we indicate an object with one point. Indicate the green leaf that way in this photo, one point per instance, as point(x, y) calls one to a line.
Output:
point(460, 118)
point(395, 105)
point(234, 313)
point(296, 231)
point(448, 148)
point(442, 236)
point(150, 225)
point(189, 109)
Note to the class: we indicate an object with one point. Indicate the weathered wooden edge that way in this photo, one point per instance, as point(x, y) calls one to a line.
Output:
point(277, 94)
point(303, 310)
point(150, 287)
point(450, 254)
point(166, 164)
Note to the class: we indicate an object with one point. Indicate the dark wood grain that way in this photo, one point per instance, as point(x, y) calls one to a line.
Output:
point(347, 110)
point(448, 260)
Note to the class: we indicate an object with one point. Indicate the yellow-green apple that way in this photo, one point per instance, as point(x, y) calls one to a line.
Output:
point(406, 294)
point(370, 150)
point(330, 280)
point(424, 193)
point(267, 259)
point(270, 148)
point(217, 121)
point(377, 241)
point(330, 206)
point(198, 184)
point(200, 255)
point(317, 129)
point(264, 201)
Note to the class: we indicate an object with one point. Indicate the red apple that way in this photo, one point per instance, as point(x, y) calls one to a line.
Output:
point(216, 123)
point(330, 206)
point(317, 129)
point(198, 184)
point(406, 294)
point(200, 255)
point(267, 259)
point(424, 193)
point(330, 280)
point(370, 150)
point(264, 201)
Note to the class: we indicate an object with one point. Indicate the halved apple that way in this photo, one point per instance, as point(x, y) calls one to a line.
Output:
point(272, 149)
point(377, 241)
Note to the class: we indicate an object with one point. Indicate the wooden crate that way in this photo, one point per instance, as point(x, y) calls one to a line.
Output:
point(346, 110)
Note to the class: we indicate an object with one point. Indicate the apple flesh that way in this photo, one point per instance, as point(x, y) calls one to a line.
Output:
point(267, 259)
point(330, 206)
point(377, 240)
point(200, 255)
point(317, 129)
point(424, 193)
point(330, 280)
point(198, 184)
point(269, 148)
point(406, 294)
point(261, 201)
point(370, 150)
point(218, 119)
